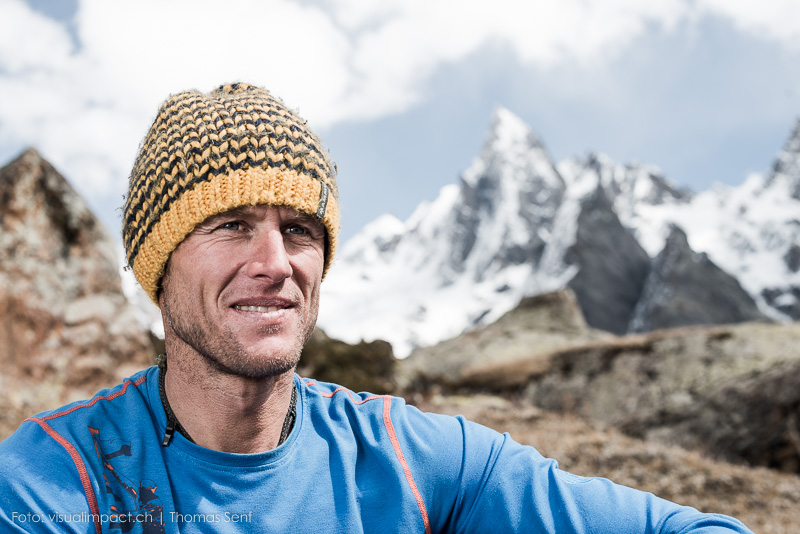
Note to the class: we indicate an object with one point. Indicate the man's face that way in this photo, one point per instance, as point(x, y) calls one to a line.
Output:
point(242, 290)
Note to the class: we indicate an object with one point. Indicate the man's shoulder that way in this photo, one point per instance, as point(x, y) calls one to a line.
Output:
point(50, 462)
point(334, 392)
point(330, 397)
point(339, 405)
point(107, 405)
point(130, 391)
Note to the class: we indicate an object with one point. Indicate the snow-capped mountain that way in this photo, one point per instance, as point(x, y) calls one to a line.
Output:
point(461, 260)
point(517, 225)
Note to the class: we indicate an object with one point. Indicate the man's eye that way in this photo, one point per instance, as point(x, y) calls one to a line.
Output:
point(296, 229)
point(230, 225)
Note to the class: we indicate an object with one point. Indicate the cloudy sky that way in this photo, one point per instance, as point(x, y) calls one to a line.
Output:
point(402, 91)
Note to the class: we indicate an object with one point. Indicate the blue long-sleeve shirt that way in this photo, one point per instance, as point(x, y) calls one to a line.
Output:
point(352, 463)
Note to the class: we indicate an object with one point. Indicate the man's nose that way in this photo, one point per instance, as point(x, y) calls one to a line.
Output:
point(268, 257)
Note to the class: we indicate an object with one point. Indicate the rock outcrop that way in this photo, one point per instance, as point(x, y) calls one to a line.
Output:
point(506, 353)
point(360, 367)
point(755, 418)
point(732, 392)
point(67, 330)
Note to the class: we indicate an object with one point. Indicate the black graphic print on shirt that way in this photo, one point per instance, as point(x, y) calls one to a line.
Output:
point(133, 504)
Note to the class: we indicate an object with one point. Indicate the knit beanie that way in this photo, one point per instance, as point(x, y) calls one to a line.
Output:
point(208, 153)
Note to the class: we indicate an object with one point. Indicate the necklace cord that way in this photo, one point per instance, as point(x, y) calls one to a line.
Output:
point(172, 420)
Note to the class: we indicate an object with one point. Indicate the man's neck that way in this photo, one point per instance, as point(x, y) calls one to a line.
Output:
point(225, 412)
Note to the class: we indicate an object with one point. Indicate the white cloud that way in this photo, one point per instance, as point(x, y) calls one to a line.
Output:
point(87, 108)
point(774, 20)
point(155, 47)
point(30, 40)
point(399, 43)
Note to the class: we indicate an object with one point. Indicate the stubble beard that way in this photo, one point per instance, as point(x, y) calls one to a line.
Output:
point(226, 354)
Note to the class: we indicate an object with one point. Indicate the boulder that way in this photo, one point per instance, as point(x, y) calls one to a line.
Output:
point(504, 354)
point(365, 366)
point(732, 392)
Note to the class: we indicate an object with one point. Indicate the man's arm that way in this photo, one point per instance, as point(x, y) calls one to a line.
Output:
point(503, 486)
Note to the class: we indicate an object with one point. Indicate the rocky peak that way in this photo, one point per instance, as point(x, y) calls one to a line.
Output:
point(509, 136)
point(612, 266)
point(787, 165)
point(67, 325)
point(686, 288)
point(629, 186)
point(508, 195)
point(511, 154)
point(45, 221)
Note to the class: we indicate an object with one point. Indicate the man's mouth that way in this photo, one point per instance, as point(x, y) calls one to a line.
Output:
point(264, 305)
point(259, 309)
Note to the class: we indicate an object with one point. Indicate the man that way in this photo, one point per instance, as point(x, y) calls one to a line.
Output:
point(230, 225)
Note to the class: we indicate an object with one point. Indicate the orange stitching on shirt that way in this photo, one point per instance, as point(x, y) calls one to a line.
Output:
point(126, 383)
point(387, 420)
point(88, 491)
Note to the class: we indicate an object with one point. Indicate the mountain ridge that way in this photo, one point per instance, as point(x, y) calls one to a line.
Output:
point(509, 229)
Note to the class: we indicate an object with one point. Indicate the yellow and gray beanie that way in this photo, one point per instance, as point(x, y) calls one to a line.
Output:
point(209, 153)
